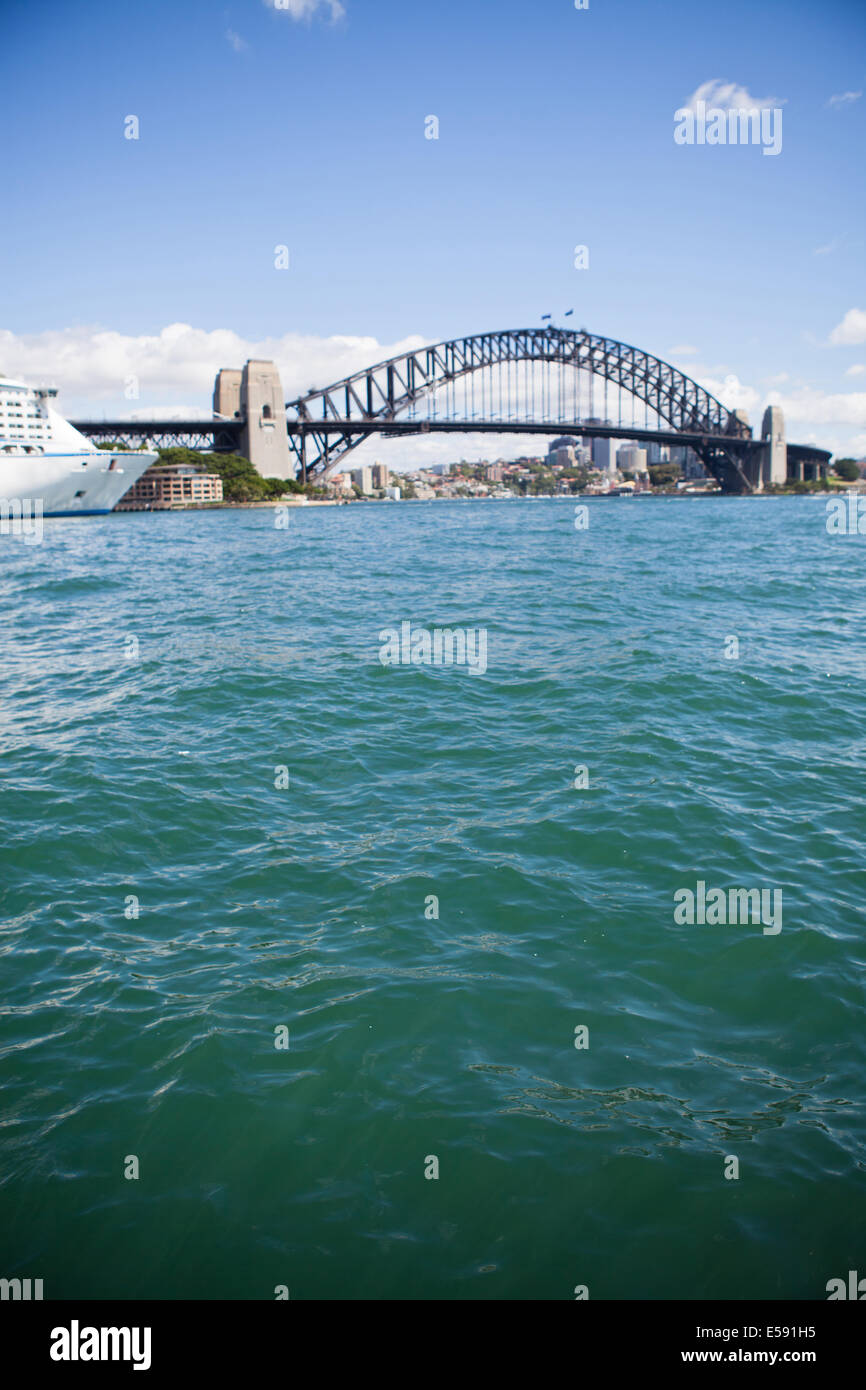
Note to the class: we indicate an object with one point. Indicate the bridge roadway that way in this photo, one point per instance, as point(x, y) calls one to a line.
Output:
point(205, 428)
point(223, 436)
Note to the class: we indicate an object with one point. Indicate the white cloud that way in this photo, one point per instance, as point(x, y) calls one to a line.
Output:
point(91, 365)
point(305, 9)
point(813, 407)
point(857, 370)
point(237, 43)
point(684, 350)
point(828, 249)
point(730, 391)
point(844, 98)
point(851, 331)
point(727, 96)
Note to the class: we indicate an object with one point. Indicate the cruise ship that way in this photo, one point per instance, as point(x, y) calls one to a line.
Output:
point(44, 459)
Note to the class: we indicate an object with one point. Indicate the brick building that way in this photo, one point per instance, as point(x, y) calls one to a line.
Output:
point(162, 487)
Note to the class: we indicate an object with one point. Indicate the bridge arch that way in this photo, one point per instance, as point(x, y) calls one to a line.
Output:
point(388, 390)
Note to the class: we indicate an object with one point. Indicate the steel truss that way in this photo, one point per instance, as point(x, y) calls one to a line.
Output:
point(378, 394)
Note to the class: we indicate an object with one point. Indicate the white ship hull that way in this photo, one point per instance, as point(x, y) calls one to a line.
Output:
point(71, 484)
point(48, 467)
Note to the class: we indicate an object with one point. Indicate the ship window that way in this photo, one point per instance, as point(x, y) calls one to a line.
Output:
point(80, 493)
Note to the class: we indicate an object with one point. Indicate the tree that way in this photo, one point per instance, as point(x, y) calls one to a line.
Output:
point(663, 473)
point(847, 469)
point(543, 481)
point(577, 477)
point(115, 445)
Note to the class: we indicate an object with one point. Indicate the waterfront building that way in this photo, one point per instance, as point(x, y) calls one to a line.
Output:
point(161, 487)
point(380, 475)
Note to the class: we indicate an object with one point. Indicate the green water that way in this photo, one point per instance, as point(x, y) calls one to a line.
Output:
point(411, 1035)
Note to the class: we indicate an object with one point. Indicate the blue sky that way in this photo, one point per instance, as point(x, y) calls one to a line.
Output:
point(305, 127)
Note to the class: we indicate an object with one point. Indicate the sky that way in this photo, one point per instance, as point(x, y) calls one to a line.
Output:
point(306, 127)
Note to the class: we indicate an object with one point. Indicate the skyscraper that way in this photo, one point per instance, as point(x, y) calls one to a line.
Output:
point(603, 454)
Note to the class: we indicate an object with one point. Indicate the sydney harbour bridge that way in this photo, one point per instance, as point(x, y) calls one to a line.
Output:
point(549, 380)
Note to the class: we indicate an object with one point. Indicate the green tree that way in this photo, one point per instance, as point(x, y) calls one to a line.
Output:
point(577, 478)
point(543, 481)
point(847, 469)
point(661, 474)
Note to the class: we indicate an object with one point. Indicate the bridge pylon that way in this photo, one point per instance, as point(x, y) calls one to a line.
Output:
point(774, 455)
point(254, 394)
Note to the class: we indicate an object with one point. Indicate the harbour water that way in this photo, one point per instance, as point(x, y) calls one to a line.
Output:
point(223, 816)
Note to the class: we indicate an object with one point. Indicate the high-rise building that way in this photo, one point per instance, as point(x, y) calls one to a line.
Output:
point(380, 475)
point(631, 459)
point(603, 455)
point(363, 478)
point(561, 453)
